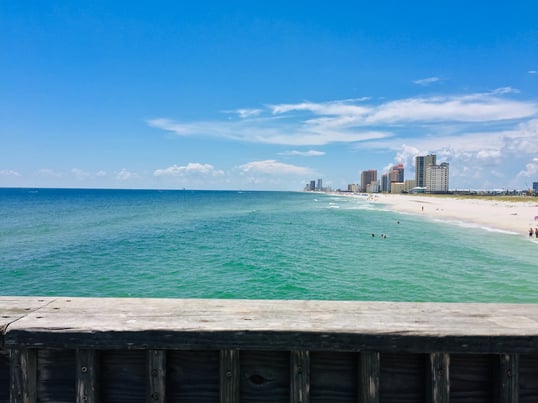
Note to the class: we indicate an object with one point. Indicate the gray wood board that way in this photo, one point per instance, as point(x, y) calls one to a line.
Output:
point(274, 325)
point(15, 308)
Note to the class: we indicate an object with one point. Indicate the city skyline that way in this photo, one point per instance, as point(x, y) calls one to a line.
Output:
point(240, 95)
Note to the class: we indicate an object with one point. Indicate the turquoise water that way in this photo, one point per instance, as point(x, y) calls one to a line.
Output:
point(269, 245)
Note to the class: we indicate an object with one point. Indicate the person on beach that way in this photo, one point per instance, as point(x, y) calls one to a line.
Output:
point(530, 232)
point(536, 232)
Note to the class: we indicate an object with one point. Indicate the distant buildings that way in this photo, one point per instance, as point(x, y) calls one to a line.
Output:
point(367, 178)
point(313, 187)
point(421, 163)
point(437, 178)
point(430, 177)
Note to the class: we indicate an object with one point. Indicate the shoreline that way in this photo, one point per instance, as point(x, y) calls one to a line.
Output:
point(513, 217)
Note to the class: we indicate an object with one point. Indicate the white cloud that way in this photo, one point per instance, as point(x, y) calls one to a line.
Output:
point(531, 169)
point(247, 113)
point(426, 81)
point(101, 174)
point(351, 121)
point(273, 167)
point(532, 71)
point(310, 153)
point(125, 175)
point(192, 168)
point(9, 172)
point(80, 174)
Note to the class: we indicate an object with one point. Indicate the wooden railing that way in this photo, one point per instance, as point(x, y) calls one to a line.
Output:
point(187, 350)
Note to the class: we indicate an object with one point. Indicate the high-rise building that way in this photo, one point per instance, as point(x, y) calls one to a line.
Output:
point(312, 185)
point(397, 173)
point(421, 163)
point(437, 178)
point(320, 185)
point(368, 177)
point(385, 183)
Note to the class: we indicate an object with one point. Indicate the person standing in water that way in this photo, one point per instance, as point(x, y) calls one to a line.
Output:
point(530, 232)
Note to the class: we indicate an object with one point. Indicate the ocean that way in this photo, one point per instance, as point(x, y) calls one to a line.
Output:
point(250, 245)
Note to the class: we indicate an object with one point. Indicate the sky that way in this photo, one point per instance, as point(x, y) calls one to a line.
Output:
point(266, 95)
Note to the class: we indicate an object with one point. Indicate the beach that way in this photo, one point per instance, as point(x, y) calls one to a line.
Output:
point(512, 216)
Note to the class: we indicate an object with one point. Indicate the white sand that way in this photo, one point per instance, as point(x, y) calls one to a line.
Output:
point(515, 216)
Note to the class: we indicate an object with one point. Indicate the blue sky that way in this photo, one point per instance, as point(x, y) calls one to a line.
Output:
point(265, 95)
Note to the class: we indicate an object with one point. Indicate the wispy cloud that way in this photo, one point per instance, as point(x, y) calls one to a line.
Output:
point(426, 81)
point(310, 153)
point(352, 121)
point(273, 167)
point(126, 175)
point(9, 172)
point(532, 71)
point(192, 168)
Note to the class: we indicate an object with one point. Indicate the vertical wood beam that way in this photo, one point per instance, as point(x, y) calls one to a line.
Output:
point(23, 378)
point(439, 378)
point(156, 376)
point(87, 376)
point(300, 376)
point(509, 378)
point(369, 372)
point(229, 376)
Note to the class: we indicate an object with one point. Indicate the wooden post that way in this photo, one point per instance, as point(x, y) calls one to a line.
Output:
point(439, 378)
point(369, 370)
point(87, 376)
point(156, 376)
point(300, 376)
point(509, 378)
point(23, 380)
point(229, 376)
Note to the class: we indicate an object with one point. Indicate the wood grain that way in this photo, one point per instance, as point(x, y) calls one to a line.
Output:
point(278, 325)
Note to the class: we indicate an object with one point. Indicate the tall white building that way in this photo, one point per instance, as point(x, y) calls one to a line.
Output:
point(436, 180)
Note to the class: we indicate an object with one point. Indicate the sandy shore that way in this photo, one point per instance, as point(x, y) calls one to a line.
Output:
point(516, 217)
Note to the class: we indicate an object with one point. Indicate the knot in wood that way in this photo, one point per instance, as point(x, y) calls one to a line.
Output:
point(155, 396)
point(84, 369)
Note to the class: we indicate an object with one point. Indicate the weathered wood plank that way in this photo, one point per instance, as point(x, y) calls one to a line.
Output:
point(473, 377)
point(265, 376)
point(528, 378)
point(192, 376)
point(156, 376)
point(23, 376)
point(439, 378)
point(369, 372)
point(229, 376)
point(299, 376)
point(4, 375)
point(56, 375)
point(403, 377)
point(279, 325)
point(87, 371)
point(123, 376)
point(333, 376)
point(14, 308)
point(508, 378)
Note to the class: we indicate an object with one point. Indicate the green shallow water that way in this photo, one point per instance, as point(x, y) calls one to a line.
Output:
point(275, 245)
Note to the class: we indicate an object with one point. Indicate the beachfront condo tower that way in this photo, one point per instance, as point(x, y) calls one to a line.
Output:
point(437, 178)
point(367, 177)
point(421, 163)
